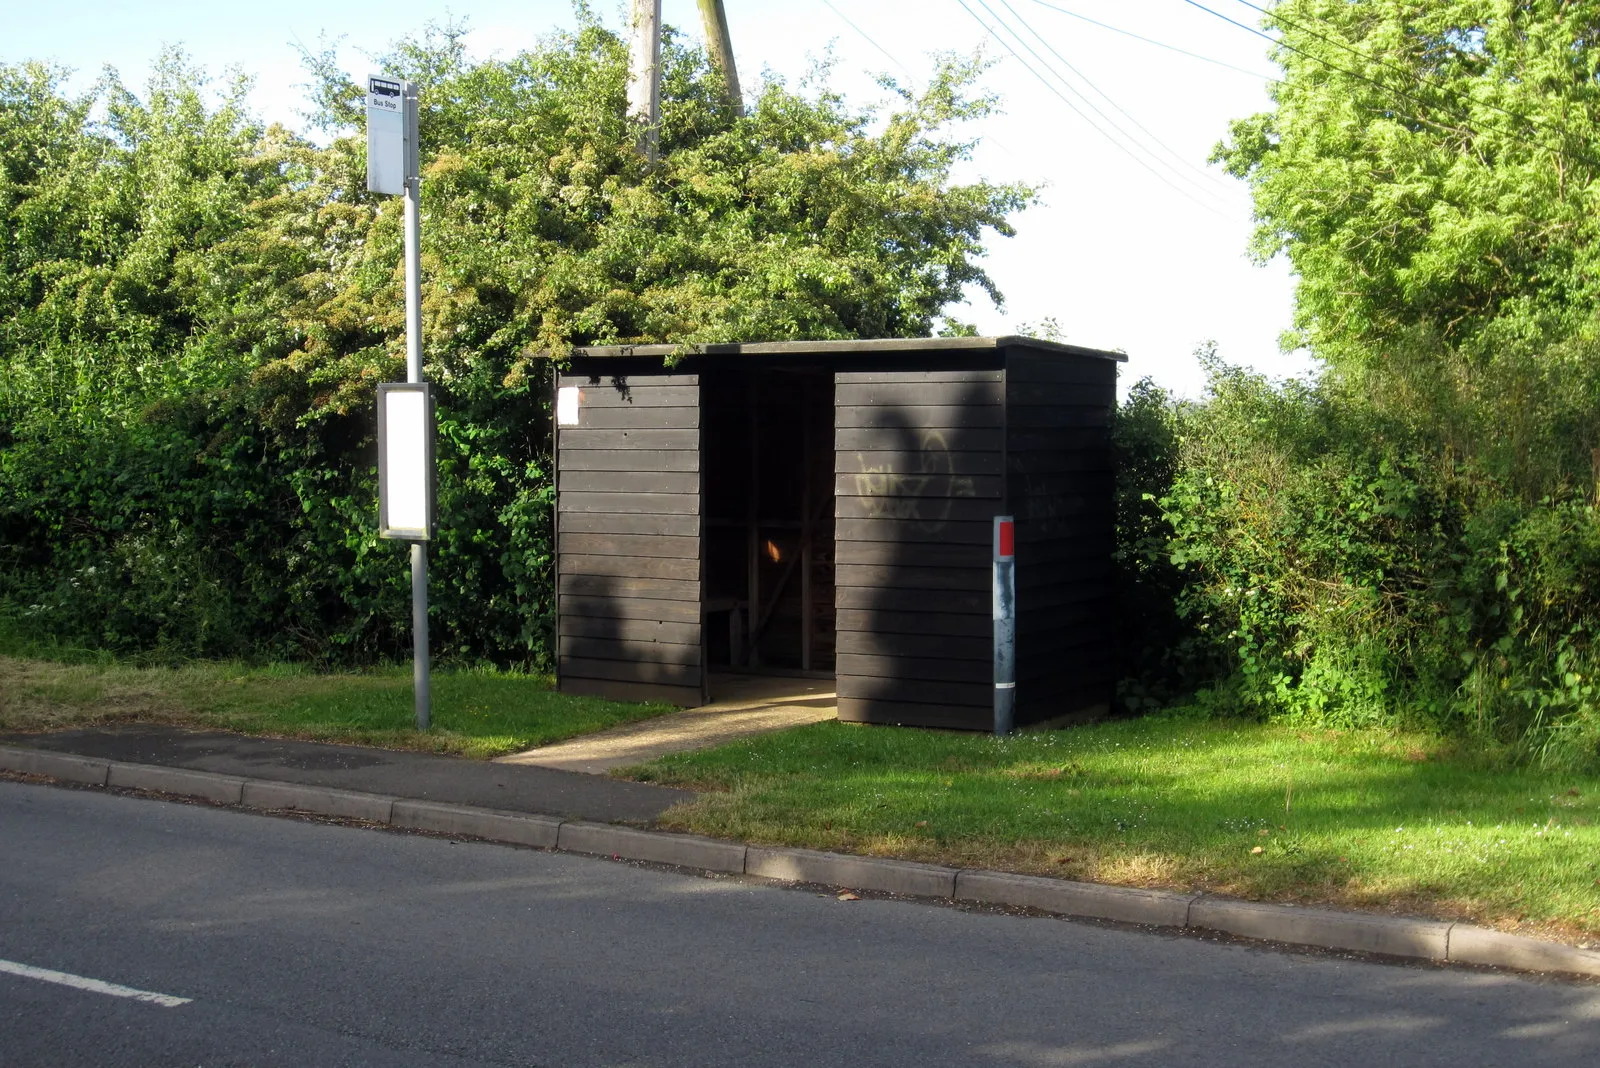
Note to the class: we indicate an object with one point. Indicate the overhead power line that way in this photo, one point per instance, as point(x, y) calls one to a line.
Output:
point(996, 142)
point(1461, 112)
point(1078, 111)
point(1318, 59)
point(1324, 37)
point(1152, 41)
point(1406, 72)
point(1207, 175)
point(1046, 64)
point(868, 38)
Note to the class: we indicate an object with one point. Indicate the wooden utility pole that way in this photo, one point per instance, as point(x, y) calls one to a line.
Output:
point(644, 75)
point(720, 47)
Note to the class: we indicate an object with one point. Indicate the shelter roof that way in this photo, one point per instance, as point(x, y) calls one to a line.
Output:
point(909, 347)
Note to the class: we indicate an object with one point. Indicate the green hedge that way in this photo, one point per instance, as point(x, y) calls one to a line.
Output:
point(195, 311)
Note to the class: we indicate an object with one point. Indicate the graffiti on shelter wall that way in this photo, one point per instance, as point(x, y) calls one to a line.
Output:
point(925, 496)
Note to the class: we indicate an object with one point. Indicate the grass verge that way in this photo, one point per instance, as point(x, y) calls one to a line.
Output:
point(1370, 820)
point(476, 713)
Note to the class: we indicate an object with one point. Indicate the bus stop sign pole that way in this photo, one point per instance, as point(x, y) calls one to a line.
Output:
point(393, 168)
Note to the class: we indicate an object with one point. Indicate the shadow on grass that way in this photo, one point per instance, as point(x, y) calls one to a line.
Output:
point(477, 713)
point(1368, 819)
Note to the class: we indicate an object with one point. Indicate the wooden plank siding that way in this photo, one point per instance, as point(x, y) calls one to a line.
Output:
point(628, 522)
point(932, 438)
point(1059, 485)
point(920, 474)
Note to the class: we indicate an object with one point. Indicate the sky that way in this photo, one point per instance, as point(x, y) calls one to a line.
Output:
point(1137, 244)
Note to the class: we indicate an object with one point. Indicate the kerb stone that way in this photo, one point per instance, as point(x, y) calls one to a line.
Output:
point(1481, 945)
point(225, 789)
point(1125, 904)
point(61, 766)
point(1323, 927)
point(515, 827)
point(857, 873)
point(322, 800)
point(657, 847)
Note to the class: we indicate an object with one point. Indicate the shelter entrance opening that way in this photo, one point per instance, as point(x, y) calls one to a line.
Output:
point(767, 462)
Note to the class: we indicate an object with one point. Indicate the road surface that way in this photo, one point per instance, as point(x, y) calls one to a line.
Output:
point(269, 941)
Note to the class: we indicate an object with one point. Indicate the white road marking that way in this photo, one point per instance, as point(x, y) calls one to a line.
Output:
point(78, 982)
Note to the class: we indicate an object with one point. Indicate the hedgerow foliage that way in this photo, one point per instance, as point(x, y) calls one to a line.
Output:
point(1413, 536)
point(195, 311)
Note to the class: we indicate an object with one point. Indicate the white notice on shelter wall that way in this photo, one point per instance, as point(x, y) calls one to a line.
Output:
point(567, 405)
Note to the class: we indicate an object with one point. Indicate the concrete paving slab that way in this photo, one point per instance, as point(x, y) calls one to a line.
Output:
point(746, 705)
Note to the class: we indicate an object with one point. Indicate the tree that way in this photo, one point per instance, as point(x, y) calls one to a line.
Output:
point(1429, 169)
point(196, 311)
point(1412, 537)
point(800, 220)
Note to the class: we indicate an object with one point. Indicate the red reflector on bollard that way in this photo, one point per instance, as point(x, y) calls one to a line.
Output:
point(1007, 546)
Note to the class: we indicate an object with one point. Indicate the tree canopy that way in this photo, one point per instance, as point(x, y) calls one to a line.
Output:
point(1429, 169)
point(1411, 537)
point(195, 310)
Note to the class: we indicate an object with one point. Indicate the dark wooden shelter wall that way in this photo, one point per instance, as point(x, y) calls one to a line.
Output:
point(628, 538)
point(919, 476)
point(1060, 485)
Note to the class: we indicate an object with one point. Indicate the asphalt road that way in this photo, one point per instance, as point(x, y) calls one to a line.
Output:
point(307, 944)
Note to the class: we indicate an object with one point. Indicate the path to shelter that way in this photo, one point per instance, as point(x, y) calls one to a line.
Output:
point(418, 776)
point(743, 705)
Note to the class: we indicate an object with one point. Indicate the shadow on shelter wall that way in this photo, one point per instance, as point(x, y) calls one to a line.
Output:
point(628, 516)
point(921, 476)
